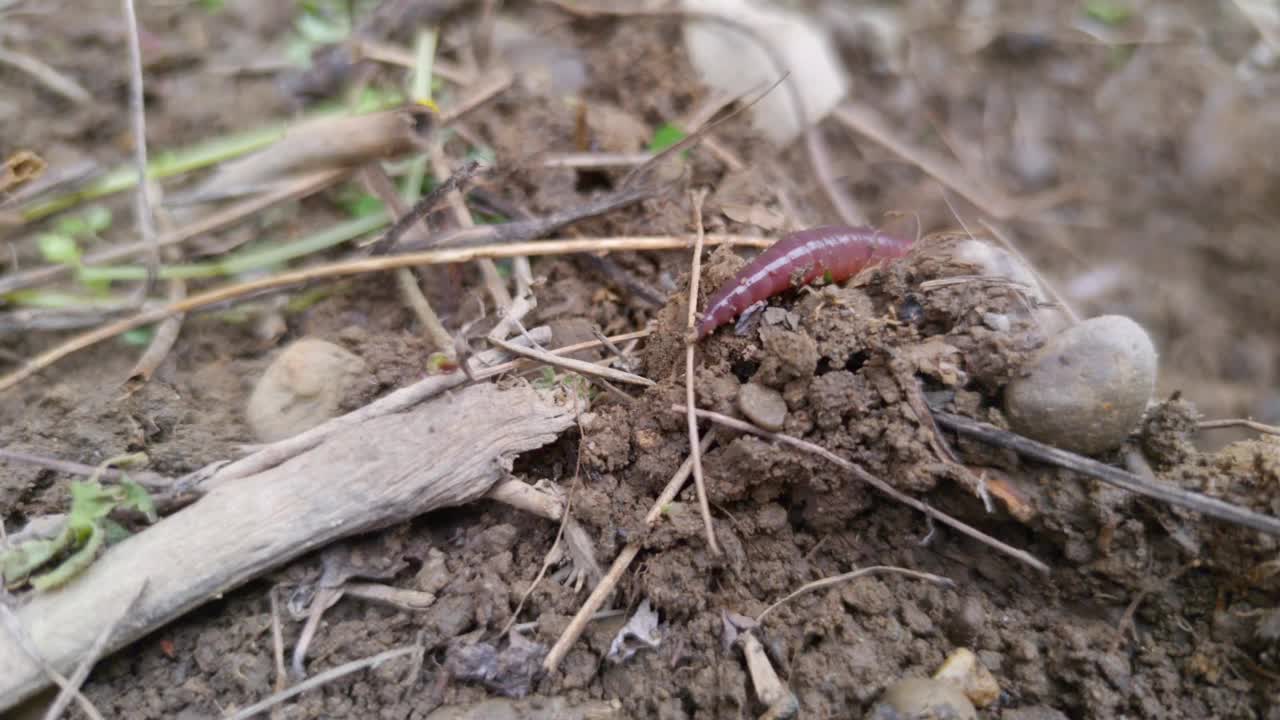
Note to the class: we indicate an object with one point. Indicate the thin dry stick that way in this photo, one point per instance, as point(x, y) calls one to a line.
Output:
point(1126, 619)
point(845, 577)
point(50, 78)
point(167, 331)
point(873, 481)
point(14, 625)
point(378, 181)
point(302, 186)
point(620, 564)
point(78, 677)
point(1248, 423)
point(75, 468)
point(565, 519)
point(277, 640)
point(770, 689)
point(695, 274)
point(867, 122)
point(1008, 244)
point(358, 267)
point(523, 496)
point(1132, 482)
point(488, 270)
point(578, 366)
point(142, 206)
point(325, 677)
point(428, 204)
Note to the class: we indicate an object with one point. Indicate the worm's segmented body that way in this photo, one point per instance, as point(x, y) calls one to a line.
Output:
point(834, 252)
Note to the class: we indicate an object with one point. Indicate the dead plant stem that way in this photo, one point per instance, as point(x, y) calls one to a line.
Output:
point(358, 267)
point(873, 481)
point(695, 274)
point(620, 564)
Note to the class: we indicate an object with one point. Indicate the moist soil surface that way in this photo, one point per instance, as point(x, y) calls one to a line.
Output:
point(1169, 218)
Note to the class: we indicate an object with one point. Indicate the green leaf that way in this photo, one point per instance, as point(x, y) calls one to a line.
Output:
point(137, 498)
point(19, 562)
point(73, 565)
point(137, 337)
point(98, 218)
point(92, 221)
point(90, 502)
point(666, 136)
point(362, 205)
point(1108, 12)
point(439, 363)
point(57, 248)
point(115, 531)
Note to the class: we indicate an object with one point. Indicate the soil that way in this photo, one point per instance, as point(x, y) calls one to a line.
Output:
point(1148, 612)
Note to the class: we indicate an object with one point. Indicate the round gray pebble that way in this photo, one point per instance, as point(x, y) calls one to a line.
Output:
point(762, 406)
point(1087, 387)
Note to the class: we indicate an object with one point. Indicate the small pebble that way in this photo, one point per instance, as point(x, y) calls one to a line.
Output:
point(1087, 388)
point(923, 699)
point(963, 670)
point(996, 321)
point(762, 406)
point(304, 386)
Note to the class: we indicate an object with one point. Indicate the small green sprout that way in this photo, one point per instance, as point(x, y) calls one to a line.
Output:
point(87, 530)
point(90, 223)
point(59, 249)
point(1108, 12)
point(359, 204)
point(137, 337)
point(666, 136)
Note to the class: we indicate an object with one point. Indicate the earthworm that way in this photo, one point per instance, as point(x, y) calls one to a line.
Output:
point(833, 252)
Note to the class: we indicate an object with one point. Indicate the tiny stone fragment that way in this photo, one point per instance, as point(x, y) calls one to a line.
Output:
point(762, 406)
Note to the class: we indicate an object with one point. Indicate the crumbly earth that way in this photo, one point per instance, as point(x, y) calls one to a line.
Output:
point(1149, 611)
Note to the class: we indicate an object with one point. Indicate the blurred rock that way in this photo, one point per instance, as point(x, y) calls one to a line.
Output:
point(304, 386)
point(1087, 388)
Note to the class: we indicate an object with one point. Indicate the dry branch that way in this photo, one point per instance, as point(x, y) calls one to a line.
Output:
point(447, 452)
point(858, 472)
point(1167, 493)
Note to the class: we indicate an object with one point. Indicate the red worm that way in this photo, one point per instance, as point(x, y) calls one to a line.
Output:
point(834, 252)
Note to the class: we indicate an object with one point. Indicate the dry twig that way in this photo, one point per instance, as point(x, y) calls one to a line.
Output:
point(867, 122)
point(72, 688)
point(50, 78)
point(138, 115)
point(1203, 504)
point(323, 678)
point(695, 274)
point(380, 183)
point(873, 481)
point(579, 366)
point(781, 702)
point(300, 187)
point(358, 267)
point(14, 625)
point(852, 575)
point(462, 216)
point(277, 640)
point(1247, 423)
point(605, 587)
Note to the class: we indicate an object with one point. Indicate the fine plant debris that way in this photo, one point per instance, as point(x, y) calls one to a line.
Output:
point(680, 359)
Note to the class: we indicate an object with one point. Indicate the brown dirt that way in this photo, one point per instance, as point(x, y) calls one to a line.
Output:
point(1166, 231)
